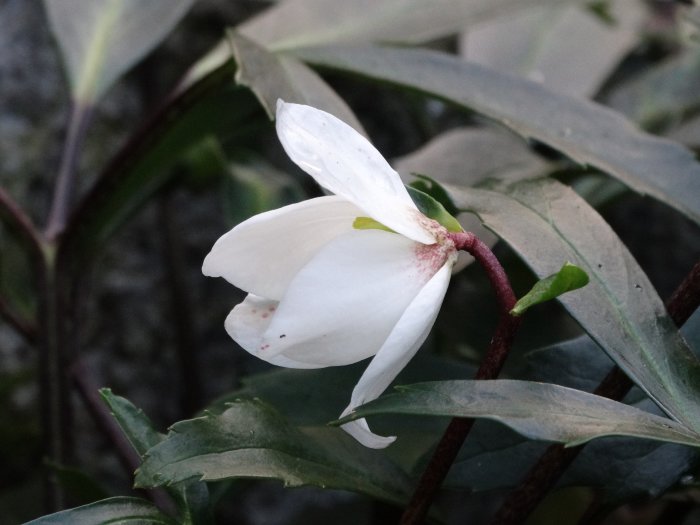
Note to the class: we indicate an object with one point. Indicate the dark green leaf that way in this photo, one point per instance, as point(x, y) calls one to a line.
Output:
point(570, 277)
point(545, 222)
point(252, 440)
point(136, 425)
point(101, 40)
point(430, 207)
point(494, 459)
point(536, 410)
point(315, 397)
point(192, 498)
point(272, 76)
point(433, 188)
point(586, 132)
point(132, 511)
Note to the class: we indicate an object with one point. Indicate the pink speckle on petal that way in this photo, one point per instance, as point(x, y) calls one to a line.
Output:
point(265, 315)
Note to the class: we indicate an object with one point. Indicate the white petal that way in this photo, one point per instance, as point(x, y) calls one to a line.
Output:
point(401, 345)
point(342, 306)
point(263, 254)
point(248, 321)
point(344, 162)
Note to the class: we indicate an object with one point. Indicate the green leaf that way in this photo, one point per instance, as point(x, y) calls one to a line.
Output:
point(272, 76)
point(430, 207)
point(251, 440)
point(120, 510)
point(192, 498)
point(136, 425)
point(496, 458)
point(545, 222)
point(434, 189)
point(586, 132)
point(315, 397)
point(101, 39)
point(536, 410)
point(297, 23)
point(569, 277)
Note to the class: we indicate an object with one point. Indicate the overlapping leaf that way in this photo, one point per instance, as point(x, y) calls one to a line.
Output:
point(192, 498)
point(547, 223)
point(537, 410)
point(252, 440)
point(298, 23)
point(586, 132)
point(272, 76)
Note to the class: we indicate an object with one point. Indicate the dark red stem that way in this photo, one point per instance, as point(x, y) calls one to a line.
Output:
point(501, 342)
point(544, 474)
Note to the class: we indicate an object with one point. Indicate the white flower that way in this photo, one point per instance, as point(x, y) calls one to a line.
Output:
point(322, 292)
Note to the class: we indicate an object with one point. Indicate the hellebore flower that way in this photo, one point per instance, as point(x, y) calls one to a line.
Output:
point(337, 279)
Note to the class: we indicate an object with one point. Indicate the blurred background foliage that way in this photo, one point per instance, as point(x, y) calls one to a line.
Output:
point(150, 327)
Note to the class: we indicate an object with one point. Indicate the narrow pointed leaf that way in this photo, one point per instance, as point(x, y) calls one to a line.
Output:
point(192, 498)
point(430, 207)
point(127, 511)
point(101, 39)
point(251, 440)
point(536, 410)
point(586, 132)
point(569, 277)
point(296, 23)
point(272, 76)
point(545, 222)
point(136, 425)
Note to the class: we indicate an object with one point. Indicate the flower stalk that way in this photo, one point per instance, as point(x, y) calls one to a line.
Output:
point(499, 347)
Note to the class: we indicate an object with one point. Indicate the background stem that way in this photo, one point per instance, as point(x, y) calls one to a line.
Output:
point(55, 398)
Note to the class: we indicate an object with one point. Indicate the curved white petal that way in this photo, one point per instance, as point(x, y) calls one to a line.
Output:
point(344, 162)
point(398, 349)
point(343, 304)
point(262, 254)
point(248, 321)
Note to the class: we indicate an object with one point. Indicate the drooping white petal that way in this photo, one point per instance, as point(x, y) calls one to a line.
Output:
point(344, 162)
point(248, 321)
point(343, 304)
point(398, 349)
point(262, 254)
